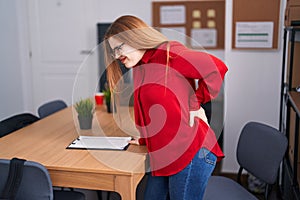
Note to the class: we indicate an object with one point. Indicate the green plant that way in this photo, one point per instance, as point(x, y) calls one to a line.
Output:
point(107, 95)
point(85, 107)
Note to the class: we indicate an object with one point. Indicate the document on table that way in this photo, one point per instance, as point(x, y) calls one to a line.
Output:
point(100, 142)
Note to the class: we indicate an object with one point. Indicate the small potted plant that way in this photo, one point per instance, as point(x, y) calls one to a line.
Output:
point(85, 110)
point(107, 97)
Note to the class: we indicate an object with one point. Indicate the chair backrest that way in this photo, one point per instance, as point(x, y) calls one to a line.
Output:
point(260, 150)
point(16, 122)
point(35, 184)
point(51, 107)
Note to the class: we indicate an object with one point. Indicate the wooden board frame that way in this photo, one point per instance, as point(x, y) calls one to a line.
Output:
point(203, 6)
point(256, 11)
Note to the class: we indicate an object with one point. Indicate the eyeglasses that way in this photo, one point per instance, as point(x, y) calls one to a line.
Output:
point(117, 50)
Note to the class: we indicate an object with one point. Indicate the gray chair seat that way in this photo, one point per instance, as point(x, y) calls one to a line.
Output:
point(226, 189)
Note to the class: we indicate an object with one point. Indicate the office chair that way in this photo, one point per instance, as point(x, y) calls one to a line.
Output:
point(51, 107)
point(23, 180)
point(260, 151)
point(16, 122)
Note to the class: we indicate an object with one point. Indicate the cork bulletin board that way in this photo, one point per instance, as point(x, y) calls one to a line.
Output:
point(255, 24)
point(202, 21)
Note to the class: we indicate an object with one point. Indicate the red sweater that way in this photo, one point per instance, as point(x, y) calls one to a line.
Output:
point(163, 98)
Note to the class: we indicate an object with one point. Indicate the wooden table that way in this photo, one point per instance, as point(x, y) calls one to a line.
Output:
point(45, 141)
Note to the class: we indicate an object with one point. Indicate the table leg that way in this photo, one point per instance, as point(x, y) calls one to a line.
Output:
point(126, 186)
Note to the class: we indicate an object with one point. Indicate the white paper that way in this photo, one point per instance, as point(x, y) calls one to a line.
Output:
point(172, 14)
point(254, 34)
point(205, 37)
point(175, 33)
point(99, 142)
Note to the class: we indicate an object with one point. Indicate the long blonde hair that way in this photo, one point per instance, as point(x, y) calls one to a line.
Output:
point(134, 32)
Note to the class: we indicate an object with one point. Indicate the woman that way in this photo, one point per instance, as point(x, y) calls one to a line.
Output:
point(182, 148)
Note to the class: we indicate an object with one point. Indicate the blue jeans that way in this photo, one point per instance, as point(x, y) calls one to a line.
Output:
point(188, 184)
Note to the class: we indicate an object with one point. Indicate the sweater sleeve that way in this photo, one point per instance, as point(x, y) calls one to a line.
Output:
point(141, 140)
point(208, 69)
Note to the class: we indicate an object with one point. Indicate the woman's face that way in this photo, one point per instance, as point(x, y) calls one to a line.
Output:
point(128, 55)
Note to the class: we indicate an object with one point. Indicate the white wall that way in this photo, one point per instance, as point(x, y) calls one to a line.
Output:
point(15, 76)
point(11, 76)
point(252, 86)
point(110, 10)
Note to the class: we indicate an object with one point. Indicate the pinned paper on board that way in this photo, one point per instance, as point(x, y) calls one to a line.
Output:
point(196, 14)
point(196, 24)
point(204, 37)
point(211, 13)
point(211, 24)
point(254, 34)
point(175, 33)
point(172, 14)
